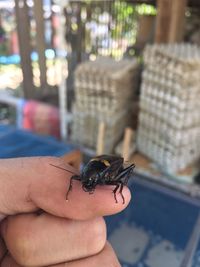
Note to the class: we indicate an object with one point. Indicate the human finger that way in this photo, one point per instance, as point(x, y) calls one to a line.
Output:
point(44, 240)
point(106, 258)
point(8, 261)
point(28, 184)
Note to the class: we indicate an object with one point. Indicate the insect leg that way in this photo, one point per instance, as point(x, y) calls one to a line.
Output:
point(125, 173)
point(121, 185)
point(128, 172)
point(120, 191)
point(69, 189)
point(117, 185)
point(74, 177)
point(107, 173)
point(115, 191)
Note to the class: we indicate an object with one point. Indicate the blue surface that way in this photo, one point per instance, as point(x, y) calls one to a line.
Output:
point(20, 143)
point(161, 216)
point(196, 260)
point(15, 59)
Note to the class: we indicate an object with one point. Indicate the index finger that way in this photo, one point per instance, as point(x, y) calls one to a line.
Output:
point(28, 184)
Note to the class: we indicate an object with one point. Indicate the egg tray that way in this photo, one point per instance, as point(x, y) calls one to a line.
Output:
point(85, 129)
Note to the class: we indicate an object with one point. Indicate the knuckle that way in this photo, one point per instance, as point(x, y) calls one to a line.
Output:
point(20, 242)
point(97, 235)
point(22, 252)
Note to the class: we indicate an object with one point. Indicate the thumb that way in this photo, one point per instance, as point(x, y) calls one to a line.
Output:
point(20, 178)
point(29, 184)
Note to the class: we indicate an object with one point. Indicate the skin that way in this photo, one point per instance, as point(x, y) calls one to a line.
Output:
point(40, 228)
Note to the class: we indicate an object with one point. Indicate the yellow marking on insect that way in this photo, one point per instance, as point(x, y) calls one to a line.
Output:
point(104, 161)
point(107, 163)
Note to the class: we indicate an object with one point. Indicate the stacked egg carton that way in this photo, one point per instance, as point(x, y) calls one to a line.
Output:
point(169, 120)
point(104, 90)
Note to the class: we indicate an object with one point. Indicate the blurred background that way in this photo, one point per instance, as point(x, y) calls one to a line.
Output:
point(84, 78)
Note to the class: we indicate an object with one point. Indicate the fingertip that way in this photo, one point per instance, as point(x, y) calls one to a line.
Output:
point(123, 200)
point(81, 205)
point(127, 193)
point(51, 191)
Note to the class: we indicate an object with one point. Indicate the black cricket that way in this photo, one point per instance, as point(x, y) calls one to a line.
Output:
point(103, 170)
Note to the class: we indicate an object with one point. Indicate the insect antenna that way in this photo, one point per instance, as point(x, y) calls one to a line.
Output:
point(61, 168)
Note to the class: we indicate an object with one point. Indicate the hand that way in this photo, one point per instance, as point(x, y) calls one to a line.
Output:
point(67, 233)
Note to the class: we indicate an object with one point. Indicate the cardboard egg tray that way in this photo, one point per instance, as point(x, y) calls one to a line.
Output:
point(85, 129)
point(104, 90)
point(169, 120)
point(105, 85)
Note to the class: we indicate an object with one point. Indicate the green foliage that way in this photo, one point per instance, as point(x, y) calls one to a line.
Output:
point(124, 19)
point(144, 9)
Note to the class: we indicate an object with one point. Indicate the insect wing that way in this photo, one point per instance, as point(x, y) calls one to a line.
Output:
point(93, 168)
point(125, 174)
point(111, 172)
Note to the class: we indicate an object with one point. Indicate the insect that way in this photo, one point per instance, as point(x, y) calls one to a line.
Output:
point(103, 170)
